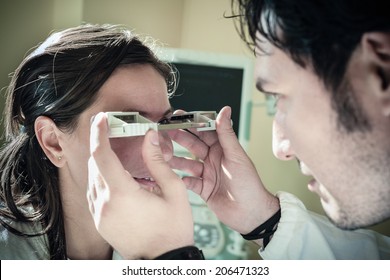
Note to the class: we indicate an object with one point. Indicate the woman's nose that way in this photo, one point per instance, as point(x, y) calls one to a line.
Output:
point(166, 145)
point(281, 145)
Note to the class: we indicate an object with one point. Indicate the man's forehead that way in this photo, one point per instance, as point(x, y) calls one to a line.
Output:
point(269, 64)
point(263, 45)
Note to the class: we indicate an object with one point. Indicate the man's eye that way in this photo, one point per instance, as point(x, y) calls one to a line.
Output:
point(273, 97)
point(271, 100)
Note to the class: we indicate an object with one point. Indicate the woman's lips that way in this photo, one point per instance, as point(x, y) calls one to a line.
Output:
point(147, 181)
point(149, 184)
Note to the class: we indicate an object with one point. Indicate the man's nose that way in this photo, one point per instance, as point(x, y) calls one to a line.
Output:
point(281, 145)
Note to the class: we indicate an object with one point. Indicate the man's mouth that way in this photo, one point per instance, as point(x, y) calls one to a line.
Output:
point(319, 189)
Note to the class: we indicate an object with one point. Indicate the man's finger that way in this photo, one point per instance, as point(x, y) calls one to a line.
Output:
point(191, 142)
point(107, 163)
point(226, 135)
point(187, 165)
point(165, 177)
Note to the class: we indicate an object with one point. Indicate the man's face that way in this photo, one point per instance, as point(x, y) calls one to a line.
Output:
point(350, 170)
point(133, 88)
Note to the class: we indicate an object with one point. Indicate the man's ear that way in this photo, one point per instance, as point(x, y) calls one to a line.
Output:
point(47, 135)
point(376, 49)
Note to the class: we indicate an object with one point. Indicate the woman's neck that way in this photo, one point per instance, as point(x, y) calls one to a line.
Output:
point(82, 239)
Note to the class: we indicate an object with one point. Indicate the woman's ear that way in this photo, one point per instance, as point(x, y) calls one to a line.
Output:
point(376, 49)
point(48, 134)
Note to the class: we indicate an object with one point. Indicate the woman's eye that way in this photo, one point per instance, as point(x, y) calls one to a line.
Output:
point(164, 121)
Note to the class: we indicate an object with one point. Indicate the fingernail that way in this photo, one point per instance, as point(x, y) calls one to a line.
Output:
point(229, 115)
point(154, 138)
point(92, 118)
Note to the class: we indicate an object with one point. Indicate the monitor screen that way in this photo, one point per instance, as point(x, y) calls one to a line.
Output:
point(209, 88)
point(210, 81)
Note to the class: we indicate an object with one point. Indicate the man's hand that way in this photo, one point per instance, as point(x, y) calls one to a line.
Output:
point(138, 223)
point(224, 176)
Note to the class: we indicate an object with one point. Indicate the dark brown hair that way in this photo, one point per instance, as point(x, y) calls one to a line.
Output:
point(60, 80)
point(322, 33)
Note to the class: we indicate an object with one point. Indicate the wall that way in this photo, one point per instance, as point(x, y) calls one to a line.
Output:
point(160, 19)
point(194, 24)
point(18, 36)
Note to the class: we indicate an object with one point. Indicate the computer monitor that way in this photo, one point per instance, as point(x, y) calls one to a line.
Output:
point(208, 81)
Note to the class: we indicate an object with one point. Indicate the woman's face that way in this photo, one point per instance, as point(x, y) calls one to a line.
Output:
point(132, 88)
